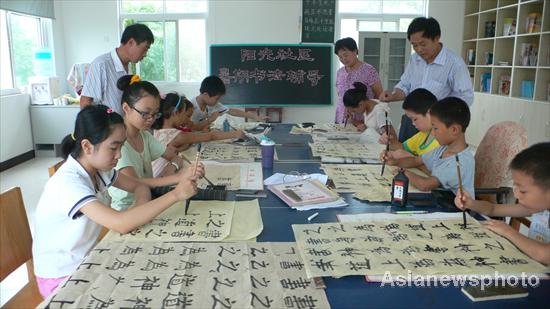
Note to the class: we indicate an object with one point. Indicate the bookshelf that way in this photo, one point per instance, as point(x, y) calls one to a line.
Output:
point(494, 52)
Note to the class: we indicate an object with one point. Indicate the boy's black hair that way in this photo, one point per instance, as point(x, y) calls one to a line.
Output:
point(419, 101)
point(213, 86)
point(94, 123)
point(452, 110)
point(139, 32)
point(535, 162)
point(345, 43)
point(428, 26)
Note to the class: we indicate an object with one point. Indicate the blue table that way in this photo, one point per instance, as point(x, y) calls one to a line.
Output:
point(354, 291)
point(291, 147)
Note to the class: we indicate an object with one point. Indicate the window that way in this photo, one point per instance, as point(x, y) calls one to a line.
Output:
point(378, 15)
point(21, 36)
point(179, 27)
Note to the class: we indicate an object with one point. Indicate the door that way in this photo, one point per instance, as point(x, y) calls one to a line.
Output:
point(370, 48)
point(399, 52)
point(387, 52)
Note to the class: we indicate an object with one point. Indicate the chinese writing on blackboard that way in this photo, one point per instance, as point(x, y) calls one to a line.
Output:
point(318, 20)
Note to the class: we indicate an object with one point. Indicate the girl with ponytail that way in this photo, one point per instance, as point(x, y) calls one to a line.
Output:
point(75, 203)
point(141, 104)
point(176, 112)
point(357, 101)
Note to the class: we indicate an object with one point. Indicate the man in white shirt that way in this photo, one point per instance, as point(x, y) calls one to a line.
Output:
point(100, 84)
point(432, 67)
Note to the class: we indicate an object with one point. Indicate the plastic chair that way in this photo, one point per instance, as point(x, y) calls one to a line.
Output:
point(16, 248)
point(516, 222)
point(502, 142)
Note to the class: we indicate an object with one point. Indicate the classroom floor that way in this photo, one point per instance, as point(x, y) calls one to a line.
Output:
point(30, 176)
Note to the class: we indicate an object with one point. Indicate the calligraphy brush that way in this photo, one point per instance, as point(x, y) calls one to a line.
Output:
point(194, 173)
point(460, 187)
point(189, 162)
point(346, 120)
point(387, 143)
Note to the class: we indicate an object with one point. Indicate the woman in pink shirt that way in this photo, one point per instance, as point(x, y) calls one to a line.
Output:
point(354, 70)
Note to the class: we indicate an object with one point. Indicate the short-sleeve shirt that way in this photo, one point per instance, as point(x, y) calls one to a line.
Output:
point(199, 115)
point(365, 74)
point(63, 235)
point(418, 144)
point(376, 119)
point(446, 76)
point(444, 169)
point(164, 136)
point(540, 226)
point(141, 162)
point(100, 82)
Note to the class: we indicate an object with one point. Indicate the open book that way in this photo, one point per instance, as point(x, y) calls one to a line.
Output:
point(303, 192)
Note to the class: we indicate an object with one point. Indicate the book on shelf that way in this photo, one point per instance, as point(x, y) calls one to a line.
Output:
point(303, 192)
point(504, 85)
point(529, 54)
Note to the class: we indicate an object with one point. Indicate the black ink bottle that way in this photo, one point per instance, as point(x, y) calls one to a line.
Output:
point(400, 189)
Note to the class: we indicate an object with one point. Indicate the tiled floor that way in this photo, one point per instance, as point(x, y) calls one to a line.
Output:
point(31, 177)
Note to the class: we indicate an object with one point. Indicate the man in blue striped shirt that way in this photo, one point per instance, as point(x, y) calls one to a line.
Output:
point(432, 67)
point(100, 82)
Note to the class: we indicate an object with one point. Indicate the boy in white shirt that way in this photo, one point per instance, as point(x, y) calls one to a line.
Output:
point(207, 106)
point(531, 174)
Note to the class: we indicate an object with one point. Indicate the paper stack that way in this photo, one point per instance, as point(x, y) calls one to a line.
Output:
point(307, 194)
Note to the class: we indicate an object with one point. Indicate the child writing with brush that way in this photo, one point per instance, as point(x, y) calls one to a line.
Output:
point(176, 112)
point(140, 103)
point(450, 118)
point(356, 101)
point(207, 106)
point(531, 175)
point(416, 105)
point(75, 203)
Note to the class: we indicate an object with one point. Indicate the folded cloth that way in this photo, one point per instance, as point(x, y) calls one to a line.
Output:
point(77, 75)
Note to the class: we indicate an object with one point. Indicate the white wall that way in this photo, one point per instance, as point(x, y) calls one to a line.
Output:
point(90, 28)
point(490, 109)
point(449, 14)
point(15, 126)
point(230, 21)
point(83, 30)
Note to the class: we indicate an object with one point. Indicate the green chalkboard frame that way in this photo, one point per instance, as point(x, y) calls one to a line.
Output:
point(332, 85)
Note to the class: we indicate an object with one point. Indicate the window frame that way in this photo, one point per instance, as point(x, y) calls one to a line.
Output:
point(167, 17)
point(378, 16)
point(45, 40)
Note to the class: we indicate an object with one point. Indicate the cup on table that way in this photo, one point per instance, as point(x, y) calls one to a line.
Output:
point(268, 151)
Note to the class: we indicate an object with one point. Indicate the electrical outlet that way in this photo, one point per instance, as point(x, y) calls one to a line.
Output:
point(548, 129)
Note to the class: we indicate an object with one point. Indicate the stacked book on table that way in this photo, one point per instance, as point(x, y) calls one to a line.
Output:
point(307, 194)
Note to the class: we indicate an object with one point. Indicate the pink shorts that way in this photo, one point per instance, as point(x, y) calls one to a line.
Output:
point(47, 285)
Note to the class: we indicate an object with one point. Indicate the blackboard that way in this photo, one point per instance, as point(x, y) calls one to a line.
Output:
point(318, 21)
point(274, 75)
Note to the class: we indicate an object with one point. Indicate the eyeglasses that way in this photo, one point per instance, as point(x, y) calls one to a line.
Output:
point(147, 116)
